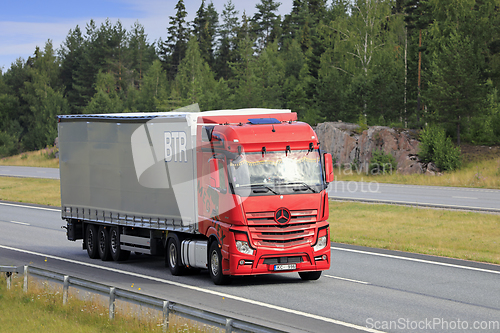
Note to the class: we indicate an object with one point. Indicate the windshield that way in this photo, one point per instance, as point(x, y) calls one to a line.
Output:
point(277, 172)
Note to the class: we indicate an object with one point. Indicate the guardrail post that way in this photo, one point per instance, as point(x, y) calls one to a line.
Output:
point(112, 296)
point(8, 275)
point(166, 314)
point(229, 325)
point(25, 284)
point(65, 289)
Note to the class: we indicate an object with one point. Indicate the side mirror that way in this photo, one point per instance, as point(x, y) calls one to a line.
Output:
point(214, 173)
point(329, 177)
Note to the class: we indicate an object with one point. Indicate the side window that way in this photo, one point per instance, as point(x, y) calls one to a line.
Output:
point(222, 176)
point(217, 174)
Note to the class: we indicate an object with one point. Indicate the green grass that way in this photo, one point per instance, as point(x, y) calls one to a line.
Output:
point(30, 190)
point(462, 235)
point(42, 158)
point(41, 310)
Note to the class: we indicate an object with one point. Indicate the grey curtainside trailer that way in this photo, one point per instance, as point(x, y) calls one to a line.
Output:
point(113, 172)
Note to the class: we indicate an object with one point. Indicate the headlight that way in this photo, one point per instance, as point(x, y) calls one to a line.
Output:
point(321, 244)
point(244, 248)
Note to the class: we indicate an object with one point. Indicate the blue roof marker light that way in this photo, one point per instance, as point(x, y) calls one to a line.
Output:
point(263, 121)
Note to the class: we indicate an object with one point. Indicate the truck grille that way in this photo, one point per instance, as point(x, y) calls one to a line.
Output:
point(265, 231)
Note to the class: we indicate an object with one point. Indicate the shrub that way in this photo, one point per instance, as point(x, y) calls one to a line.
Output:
point(8, 144)
point(363, 126)
point(382, 163)
point(436, 147)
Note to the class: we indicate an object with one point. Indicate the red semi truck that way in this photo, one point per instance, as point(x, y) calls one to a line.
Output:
point(237, 192)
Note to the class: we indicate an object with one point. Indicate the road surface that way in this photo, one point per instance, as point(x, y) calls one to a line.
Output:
point(365, 289)
point(29, 172)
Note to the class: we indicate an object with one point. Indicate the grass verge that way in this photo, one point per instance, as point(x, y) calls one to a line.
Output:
point(30, 190)
point(44, 158)
point(41, 310)
point(455, 234)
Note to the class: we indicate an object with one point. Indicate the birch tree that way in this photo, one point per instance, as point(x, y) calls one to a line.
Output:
point(362, 38)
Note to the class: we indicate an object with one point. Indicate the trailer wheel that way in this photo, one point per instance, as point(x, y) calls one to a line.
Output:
point(173, 255)
point(104, 244)
point(215, 265)
point(91, 241)
point(116, 252)
point(310, 276)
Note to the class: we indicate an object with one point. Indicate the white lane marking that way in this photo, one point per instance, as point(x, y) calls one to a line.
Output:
point(417, 260)
point(23, 223)
point(457, 197)
point(207, 291)
point(31, 207)
point(345, 279)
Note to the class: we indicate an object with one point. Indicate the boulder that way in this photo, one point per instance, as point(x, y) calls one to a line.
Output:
point(349, 147)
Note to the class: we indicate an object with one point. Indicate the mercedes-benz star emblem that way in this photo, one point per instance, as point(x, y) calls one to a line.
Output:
point(282, 215)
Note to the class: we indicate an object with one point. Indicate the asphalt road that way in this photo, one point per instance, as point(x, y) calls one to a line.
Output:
point(429, 196)
point(31, 172)
point(364, 289)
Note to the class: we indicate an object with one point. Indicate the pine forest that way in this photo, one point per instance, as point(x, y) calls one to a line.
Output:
point(399, 63)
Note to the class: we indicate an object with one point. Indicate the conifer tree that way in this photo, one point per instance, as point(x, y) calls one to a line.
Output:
point(228, 39)
point(173, 50)
point(71, 56)
point(264, 21)
point(204, 28)
point(43, 94)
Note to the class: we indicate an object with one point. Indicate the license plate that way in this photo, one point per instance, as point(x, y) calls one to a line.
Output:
point(285, 267)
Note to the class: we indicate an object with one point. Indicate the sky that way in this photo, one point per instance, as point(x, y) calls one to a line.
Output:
point(25, 24)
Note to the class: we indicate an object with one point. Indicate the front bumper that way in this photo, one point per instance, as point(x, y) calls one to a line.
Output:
point(265, 260)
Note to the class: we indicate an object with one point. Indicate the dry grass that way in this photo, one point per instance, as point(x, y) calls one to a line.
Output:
point(31, 190)
point(463, 235)
point(41, 310)
point(42, 158)
point(481, 174)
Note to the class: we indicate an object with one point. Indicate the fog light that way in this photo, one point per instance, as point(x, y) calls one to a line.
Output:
point(242, 262)
point(321, 244)
point(324, 256)
point(243, 247)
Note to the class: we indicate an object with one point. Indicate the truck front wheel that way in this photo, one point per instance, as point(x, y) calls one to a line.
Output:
point(173, 255)
point(91, 241)
point(215, 265)
point(310, 276)
point(116, 252)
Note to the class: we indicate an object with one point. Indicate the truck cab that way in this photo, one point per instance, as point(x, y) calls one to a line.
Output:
point(262, 196)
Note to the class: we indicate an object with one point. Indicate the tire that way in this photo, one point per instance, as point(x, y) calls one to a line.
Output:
point(310, 276)
point(173, 255)
point(114, 246)
point(91, 241)
point(215, 265)
point(104, 244)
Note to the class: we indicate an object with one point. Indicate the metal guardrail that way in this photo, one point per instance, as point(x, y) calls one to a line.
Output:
point(164, 306)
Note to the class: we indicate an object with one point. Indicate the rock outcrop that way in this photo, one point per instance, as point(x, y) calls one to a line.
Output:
point(350, 148)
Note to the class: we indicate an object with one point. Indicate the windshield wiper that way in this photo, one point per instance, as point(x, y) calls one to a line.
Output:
point(261, 186)
point(300, 183)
